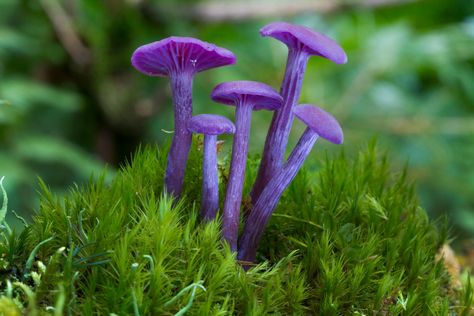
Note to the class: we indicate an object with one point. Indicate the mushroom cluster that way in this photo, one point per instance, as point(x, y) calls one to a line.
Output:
point(180, 58)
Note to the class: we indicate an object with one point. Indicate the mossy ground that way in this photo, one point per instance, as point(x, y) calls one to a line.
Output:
point(346, 239)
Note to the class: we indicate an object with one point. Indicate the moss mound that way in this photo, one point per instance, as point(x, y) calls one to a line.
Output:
point(347, 239)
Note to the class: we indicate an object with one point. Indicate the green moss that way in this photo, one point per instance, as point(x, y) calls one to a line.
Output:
point(348, 238)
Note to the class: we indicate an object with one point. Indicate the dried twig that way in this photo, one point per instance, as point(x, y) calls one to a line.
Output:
point(66, 32)
point(218, 10)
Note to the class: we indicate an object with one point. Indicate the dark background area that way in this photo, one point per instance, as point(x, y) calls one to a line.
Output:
point(72, 103)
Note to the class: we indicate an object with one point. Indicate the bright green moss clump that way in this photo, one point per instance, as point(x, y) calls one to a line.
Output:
point(349, 239)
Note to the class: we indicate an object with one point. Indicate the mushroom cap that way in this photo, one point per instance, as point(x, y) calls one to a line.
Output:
point(321, 122)
point(210, 124)
point(260, 95)
point(179, 54)
point(314, 43)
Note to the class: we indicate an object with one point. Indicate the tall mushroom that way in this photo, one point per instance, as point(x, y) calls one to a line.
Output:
point(245, 96)
point(179, 58)
point(302, 43)
point(210, 126)
point(319, 124)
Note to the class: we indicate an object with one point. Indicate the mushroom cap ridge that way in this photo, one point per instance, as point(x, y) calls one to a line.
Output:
point(178, 54)
point(210, 124)
point(262, 96)
point(321, 122)
point(313, 42)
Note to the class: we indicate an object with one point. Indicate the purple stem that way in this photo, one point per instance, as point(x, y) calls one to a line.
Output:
point(233, 198)
point(277, 137)
point(266, 203)
point(210, 186)
point(181, 88)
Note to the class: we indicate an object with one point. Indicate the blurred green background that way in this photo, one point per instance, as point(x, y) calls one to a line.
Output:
point(71, 102)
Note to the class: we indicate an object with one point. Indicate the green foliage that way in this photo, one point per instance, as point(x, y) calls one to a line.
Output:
point(409, 78)
point(349, 238)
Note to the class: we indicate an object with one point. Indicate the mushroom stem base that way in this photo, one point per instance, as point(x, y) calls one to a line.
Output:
point(266, 203)
point(233, 197)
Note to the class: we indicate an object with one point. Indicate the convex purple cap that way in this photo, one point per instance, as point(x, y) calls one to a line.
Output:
point(320, 122)
point(262, 96)
point(179, 54)
point(209, 124)
point(312, 42)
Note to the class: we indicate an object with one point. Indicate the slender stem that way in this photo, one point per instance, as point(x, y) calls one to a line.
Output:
point(266, 203)
point(233, 198)
point(210, 186)
point(277, 137)
point(182, 88)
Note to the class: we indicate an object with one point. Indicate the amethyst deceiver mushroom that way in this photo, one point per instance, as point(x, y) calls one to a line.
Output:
point(302, 43)
point(179, 58)
point(246, 96)
point(210, 126)
point(319, 124)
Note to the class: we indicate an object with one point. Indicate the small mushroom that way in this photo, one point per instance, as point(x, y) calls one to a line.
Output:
point(246, 96)
point(210, 126)
point(302, 43)
point(179, 58)
point(319, 124)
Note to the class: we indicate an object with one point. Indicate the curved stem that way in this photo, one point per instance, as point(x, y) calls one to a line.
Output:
point(277, 137)
point(233, 198)
point(266, 203)
point(210, 185)
point(182, 89)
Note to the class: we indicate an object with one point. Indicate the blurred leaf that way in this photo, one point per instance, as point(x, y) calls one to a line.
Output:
point(465, 219)
point(13, 41)
point(26, 93)
point(52, 151)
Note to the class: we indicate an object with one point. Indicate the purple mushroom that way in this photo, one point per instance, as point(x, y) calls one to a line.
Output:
point(246, 96)
point(179, 58)
point(302, 43)
point(210, 126)
point(319, 124)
